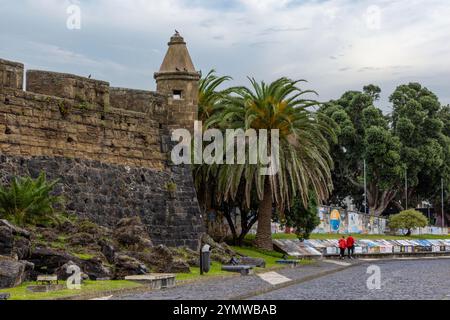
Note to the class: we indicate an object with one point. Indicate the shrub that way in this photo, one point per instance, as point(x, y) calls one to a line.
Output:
point(408, 220)
point(28, 201)
point(304, 220)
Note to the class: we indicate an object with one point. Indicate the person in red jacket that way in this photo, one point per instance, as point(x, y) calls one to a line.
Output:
point(342, 247)
point(350, 246)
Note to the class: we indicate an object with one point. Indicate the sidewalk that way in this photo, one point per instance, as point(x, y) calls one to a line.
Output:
point(239, 287)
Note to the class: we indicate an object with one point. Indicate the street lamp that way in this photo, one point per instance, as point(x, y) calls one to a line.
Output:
point(365, 186)
point(442, 202)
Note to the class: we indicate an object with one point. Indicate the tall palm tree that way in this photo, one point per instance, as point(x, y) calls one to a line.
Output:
point(210, 99)
point(209, 96)
point(305, 162)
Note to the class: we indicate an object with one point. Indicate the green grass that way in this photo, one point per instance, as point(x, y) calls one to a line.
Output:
point(250, 238)
point(216, 270)
point(88, 287)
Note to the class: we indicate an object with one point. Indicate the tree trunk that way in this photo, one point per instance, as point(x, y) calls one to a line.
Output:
point(264, 232)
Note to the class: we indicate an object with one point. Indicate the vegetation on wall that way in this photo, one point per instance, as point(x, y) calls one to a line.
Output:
point(29, 201)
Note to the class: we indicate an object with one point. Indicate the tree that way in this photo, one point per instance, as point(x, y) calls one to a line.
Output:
point(408, 220)
point(364, 134)
point(303, 219)
point(209, 96)
point(305, 162)
point(28, 201)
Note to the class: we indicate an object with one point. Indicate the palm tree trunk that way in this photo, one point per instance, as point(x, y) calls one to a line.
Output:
point(264, 232)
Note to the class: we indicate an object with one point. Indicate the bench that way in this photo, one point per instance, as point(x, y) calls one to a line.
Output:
point(244, 270)
point(4, 296)
point(292, 263)
point(47, 280)
point(155, 281)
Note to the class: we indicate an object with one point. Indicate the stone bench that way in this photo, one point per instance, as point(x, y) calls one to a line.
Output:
point(47, 280)
point(244, 270)
point(4, 296)
point(156, 281)
point(292, 263)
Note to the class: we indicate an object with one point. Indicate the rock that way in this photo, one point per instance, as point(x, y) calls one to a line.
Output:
point(13, 244)
point(22, 248)
point(130, 232)
point(95, 269)
point(180, 266)
point(128, 266)
point(47, 261)
point(12, 272)
point(62, 273)
point(68, 227)
point(219, 252)
point(108, 250)
point(81, 239)
point(17, 231)
point(48, 235)
point(6, 241)
point(257, 262)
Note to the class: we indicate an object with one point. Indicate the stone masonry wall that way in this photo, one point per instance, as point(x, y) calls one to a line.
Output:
point(108, 147)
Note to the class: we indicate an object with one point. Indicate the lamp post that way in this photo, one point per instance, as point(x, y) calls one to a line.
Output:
point(406, 188)
point(442, 202)
point(365, 186)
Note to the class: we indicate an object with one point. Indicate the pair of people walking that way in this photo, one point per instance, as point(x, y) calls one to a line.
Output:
point(347, 244)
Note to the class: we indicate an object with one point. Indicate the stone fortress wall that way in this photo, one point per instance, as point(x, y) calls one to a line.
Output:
point(109, 147)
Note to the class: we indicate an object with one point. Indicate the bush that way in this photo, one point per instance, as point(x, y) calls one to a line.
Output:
point(304, 220)
point(28, 201)
point(408, 220)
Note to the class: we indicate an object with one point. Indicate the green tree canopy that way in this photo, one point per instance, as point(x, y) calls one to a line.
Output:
point(408, 220)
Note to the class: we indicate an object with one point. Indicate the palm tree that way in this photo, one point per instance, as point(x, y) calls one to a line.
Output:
point(209, 96)
point(210, 100)
point(305, 162)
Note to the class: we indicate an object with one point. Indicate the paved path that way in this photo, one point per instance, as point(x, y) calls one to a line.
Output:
point(236, 286)
point(400, 280)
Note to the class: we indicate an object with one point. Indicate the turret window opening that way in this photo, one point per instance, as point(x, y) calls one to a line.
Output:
point(177, 94)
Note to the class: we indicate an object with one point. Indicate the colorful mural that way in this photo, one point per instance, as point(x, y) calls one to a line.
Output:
point(334, 220)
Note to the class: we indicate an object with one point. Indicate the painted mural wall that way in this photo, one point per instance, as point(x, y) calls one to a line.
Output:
point(335, 220)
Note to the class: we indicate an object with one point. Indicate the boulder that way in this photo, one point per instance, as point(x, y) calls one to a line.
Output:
point(47, 260)
point(6, 241)
point(162, 260)
point(128, 266)
point(12, 272)
point(219, 252)
point(13, 244)
point(48, 235)
point(81, 239)
point(180, 266)
point(130, 232)
point(108, 250)
point(62, 273)
point(22, 248)
point(17, 231)
point(95, 269)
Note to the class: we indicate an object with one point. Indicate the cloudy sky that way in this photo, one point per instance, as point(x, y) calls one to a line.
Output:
point(337, 45)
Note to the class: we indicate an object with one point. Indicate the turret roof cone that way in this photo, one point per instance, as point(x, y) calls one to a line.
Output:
point(177, 58)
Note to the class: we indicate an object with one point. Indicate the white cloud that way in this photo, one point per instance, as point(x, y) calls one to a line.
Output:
point(330, 43)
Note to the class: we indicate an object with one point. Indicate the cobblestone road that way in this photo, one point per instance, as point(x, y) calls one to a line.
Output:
point(230, 287)
point(400, 279)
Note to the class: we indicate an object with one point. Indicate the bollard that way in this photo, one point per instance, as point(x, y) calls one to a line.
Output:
point(205, 259)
